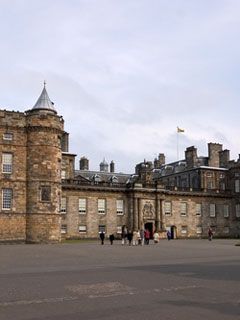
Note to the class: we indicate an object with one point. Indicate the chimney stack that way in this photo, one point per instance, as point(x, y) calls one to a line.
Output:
point(84, 163)
point(112, 166)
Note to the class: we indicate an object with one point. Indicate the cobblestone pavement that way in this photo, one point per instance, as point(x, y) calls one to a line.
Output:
point(177, 279)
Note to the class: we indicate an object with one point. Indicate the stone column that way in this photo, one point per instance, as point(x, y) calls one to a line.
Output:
point(140, 215)
point(135, 214)
point(131, 213)
point(162, 224)
point(158, 214)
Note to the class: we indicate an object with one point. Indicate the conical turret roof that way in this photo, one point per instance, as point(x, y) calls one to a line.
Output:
point(43, 102)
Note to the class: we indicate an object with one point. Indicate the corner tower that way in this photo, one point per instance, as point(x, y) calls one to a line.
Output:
point(44, 133)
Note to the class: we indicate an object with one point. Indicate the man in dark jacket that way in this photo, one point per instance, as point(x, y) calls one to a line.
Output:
point(102, 237)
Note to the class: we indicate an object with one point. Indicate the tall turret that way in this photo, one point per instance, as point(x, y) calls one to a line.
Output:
point(44, 135)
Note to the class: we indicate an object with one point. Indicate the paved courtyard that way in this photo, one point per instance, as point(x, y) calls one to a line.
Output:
point(177, 279)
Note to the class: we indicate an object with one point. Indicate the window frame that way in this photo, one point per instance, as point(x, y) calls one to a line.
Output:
point(7, 134)
point(212, 213)
point(183, 211)
point(101, 209)
point(7, 199)
point(102, 228)
point(6, 156)
point(63, 207)
point(82, 209)
point(84, 228)
point(47, 199)
point(198, 209)
point(166, 204)
point(120, 209)
point(237, 210)
point(226, 211)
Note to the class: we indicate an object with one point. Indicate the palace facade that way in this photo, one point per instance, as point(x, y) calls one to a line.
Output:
point(44, 198)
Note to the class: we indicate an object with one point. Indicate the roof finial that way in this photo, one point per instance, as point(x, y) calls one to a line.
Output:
point(44, 83)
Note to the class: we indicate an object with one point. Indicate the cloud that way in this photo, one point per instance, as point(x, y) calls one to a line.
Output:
point(124, 74)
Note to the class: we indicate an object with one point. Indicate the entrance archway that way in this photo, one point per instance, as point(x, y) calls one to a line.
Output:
point(149, 226)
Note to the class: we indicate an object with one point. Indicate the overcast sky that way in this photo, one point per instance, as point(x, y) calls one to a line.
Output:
point(125, 73)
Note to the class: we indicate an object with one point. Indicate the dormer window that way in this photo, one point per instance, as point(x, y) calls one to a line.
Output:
point(114, 179)
point(96, 178)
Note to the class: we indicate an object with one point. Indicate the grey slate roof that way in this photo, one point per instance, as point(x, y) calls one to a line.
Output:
point(43, 102)
point(102, 176)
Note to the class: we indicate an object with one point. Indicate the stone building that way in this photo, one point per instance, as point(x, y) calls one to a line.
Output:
point(44, 198)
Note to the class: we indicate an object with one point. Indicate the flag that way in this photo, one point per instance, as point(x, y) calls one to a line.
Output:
point(180, 130)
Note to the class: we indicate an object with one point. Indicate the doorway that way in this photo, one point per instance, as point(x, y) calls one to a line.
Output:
point(149, 226)
point(173, 232)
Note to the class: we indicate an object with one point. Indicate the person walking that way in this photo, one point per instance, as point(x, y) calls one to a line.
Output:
point(210, 234)
point(135, 238)
point(129, 237)
point(142, 236)
point(168, 235)
point(111, 238)
point(147, 236)
point(156, 237)
point(102, 237)
point(124, 235)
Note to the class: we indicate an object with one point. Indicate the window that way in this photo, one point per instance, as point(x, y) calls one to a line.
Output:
point(238, 210)
point(82, 205)
point(119, 207)
point(184, 230)
point(45, 193)
point(101, 228)
point(212, 210)
point(168, 207)
point(63, 205)
point(222, 185)
point(82, 229)
point(8, 136)
point(209, 183)
point(101, 206)
point(7, 163)
point(7, 196)
point(237, 185)
point(119, 229)
point(63, 229)
point(198, 209)
point(63, 174)
point(183, 208)
point(199, 229)
point(225, 211)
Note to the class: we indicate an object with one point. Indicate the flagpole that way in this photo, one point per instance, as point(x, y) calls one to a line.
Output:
point(179, 130)
point(177, 145)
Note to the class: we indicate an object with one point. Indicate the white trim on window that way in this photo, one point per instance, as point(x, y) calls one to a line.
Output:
point(82, 205)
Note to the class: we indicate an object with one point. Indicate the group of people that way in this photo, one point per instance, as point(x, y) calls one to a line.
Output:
point(139, 237)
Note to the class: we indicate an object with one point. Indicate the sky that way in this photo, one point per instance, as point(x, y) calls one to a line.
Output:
point(124, 74)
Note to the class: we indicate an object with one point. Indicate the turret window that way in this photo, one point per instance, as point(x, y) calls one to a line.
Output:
point(63, 205)
point(8, 136)
point(7, 163)
point(7, 196)
point(45, 194)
